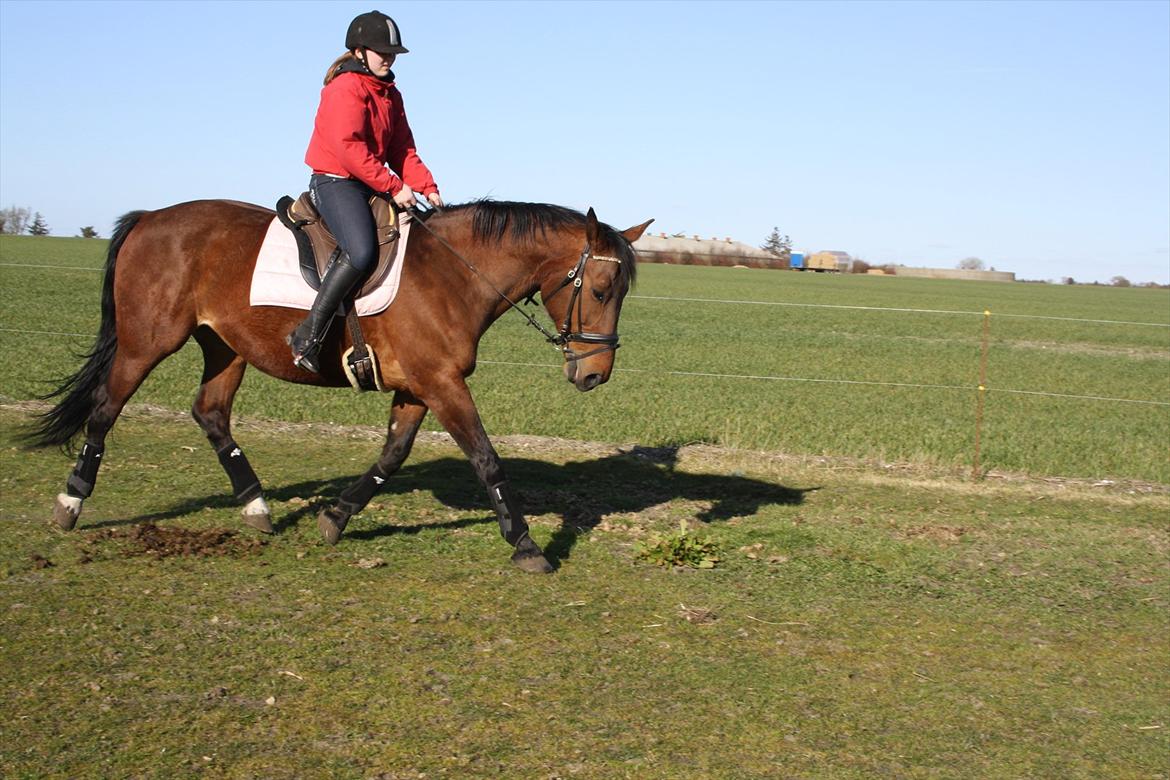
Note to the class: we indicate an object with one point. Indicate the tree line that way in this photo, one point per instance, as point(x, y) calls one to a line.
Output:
point(16, 220)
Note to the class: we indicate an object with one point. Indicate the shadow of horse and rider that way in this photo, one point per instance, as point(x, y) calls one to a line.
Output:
point(581, 493)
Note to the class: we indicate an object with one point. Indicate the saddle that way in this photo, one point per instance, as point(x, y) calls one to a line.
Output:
point(318, 248)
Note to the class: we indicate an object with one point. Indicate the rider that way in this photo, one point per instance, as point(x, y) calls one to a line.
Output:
point(360, 128)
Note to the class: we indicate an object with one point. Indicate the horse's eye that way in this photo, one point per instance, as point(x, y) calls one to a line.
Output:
point(599, 295)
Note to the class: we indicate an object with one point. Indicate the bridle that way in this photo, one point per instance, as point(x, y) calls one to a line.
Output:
point(575, 277)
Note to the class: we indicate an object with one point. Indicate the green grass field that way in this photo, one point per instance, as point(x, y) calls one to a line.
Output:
point(866, 362)
point(866, 619)
point(861, 623)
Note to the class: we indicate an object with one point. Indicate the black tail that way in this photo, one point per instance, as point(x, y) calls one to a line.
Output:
point(60, 424)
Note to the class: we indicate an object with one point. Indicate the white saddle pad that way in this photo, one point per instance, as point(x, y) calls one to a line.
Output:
point(277, 280)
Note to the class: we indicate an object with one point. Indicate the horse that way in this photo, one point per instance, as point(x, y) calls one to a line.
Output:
point(185, 271)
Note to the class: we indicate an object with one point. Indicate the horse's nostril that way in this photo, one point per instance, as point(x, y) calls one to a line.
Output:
point(592, 381)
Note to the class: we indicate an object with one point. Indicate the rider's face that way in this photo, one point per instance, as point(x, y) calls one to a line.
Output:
point(379, 64)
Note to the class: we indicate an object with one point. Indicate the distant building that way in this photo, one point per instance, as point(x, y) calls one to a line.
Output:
point(693, 250)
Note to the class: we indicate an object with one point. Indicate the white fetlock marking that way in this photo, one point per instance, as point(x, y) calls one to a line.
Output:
point(72, 503)
point(256, 506)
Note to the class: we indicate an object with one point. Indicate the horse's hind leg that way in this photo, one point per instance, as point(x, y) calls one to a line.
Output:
point(126, 374)
point(405, 417)
point(223, 370)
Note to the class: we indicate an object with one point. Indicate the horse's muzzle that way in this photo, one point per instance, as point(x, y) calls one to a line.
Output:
point(581, 380)
point(589, 382)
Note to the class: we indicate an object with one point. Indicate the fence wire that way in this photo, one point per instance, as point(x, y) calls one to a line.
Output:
point(966, 388)
point(765, 377)
point(893, 309)
point(770, 303)
point(58, 267)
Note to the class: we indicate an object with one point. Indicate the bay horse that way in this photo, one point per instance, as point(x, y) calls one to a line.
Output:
point(186, 271)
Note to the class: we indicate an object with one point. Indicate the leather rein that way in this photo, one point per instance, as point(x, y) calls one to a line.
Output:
point(575, 278)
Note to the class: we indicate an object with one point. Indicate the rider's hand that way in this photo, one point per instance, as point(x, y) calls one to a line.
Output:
point(435, 200)
point(405, 197)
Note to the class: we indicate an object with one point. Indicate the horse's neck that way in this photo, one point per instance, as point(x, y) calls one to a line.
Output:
point(488, 277)
point(518, 269)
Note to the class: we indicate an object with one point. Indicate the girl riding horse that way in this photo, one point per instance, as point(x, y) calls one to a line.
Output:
point(360, 128)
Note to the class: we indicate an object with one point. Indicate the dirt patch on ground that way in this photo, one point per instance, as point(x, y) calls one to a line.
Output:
point(167, 542)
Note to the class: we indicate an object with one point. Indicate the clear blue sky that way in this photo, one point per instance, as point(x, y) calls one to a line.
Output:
point(1035, 136)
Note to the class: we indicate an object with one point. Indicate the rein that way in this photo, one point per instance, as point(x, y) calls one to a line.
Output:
point(561, 340)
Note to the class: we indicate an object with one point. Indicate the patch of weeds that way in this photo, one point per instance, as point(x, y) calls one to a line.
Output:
point(679, 549)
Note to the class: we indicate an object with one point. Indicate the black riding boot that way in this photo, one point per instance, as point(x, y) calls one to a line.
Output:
point(306, 339)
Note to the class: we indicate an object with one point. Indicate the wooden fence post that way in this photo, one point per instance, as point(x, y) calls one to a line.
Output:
point(976, 470)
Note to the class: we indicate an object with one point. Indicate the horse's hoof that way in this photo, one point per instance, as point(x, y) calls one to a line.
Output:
point(533, 564)
point(66, 510)
point(261, 522)
point(331, 523)
point(256, 514)
point(530, 558)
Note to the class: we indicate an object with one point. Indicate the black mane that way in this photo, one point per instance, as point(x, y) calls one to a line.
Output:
point(493, 220)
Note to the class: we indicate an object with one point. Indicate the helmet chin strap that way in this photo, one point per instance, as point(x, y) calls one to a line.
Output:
point(361, 57)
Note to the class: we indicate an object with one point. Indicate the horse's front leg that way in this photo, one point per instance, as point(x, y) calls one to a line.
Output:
point(455, 409)
point(405, 417)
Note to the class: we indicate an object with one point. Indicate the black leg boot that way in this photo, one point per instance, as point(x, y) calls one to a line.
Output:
point(306, 339)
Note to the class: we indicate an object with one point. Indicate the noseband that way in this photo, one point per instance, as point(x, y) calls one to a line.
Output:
point(575, 278)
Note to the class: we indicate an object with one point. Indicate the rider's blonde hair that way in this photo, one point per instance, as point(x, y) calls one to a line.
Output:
point(337, 63)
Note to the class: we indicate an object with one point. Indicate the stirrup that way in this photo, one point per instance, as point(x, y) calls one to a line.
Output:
point(304, 351)
point(362, 372)
point(308, 363)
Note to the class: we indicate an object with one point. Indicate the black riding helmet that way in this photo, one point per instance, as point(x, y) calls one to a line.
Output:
point(374, 30)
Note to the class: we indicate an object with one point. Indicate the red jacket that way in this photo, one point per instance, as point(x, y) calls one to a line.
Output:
point(360, 125)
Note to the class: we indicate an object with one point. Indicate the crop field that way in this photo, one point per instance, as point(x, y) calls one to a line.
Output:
point(773, 370)
point(872, 611)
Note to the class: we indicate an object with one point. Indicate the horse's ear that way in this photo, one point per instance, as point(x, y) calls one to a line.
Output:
point(634, 233)
point(591, 230)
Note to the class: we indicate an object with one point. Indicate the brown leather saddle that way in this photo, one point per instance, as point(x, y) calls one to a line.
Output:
point(318, 248)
